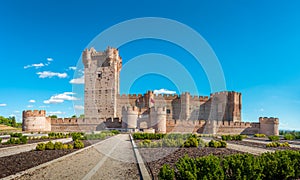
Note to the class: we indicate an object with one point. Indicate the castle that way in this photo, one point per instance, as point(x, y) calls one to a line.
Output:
point(105, 107)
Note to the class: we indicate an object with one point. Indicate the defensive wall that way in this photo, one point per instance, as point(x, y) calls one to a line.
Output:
point(34, 121)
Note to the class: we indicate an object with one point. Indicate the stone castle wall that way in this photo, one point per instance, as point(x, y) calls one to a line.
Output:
point(35, 121)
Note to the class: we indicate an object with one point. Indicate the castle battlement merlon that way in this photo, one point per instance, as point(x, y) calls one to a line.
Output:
point(34, 113)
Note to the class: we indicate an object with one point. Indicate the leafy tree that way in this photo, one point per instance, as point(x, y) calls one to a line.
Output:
point(53, 116)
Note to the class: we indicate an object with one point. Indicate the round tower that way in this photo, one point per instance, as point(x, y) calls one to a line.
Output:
point(130, 117)
point(269, 126)
point(36, 121)
point(158, 119)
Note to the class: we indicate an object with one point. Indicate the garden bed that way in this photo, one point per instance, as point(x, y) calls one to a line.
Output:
point(261, 145)
point(13, 164)
point(155, 158)
point(3, 145)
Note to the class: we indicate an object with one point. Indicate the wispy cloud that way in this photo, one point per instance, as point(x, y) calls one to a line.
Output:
point(79, 107)
point(2, 105)
point(32, 101)
point(39, 65)
point(163, 91)
point(77, 80)
point(60, 98)
point(49, 74)
point(72, 68)
point(30, 106)
point(55, 113)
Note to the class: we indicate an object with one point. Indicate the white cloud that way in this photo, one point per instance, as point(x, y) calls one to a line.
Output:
point(72, 68)
point(30, 106)
point(60, 98)
point(2, 105)
point(16, 111)
point(49, 74)
point(163, 91)
point(55, 113)
point(77, 80)
point(79, 107)
point(31, 101)
point(49, 59)
point(35, 65)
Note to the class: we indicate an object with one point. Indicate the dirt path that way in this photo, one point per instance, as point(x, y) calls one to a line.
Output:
point(111, 159)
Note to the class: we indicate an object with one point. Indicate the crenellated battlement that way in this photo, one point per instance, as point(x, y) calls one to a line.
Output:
point(130, 109)
point(34, 113)
point(268, 120)
point(158, 110)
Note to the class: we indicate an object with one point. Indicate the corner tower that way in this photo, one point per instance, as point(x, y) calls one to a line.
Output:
point(102, 82)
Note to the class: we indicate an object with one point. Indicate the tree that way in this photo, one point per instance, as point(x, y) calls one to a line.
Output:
point(74, 116)
point(53, 116)
point(81, 116)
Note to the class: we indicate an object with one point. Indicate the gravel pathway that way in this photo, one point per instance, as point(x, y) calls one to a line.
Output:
point(110, 159)
point(26, 147)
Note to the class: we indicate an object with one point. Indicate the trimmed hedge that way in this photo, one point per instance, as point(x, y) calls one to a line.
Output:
point(233, 137)
point(273, 138)
point(289, 137)
point(78, 144)
point(259, 135)
point(277, 144)
point(217, 144)
point(142, 136)
point(277, 165)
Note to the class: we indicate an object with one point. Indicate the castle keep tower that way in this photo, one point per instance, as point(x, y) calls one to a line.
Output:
point(102, 76)
point(35, 121)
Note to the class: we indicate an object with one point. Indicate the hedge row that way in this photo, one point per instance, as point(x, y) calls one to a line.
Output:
point(273, 138)
point(233, 137)
point(59, 146)
point(278, 165)
point(259, 135)
point(142, 136)
point(166, 142)
point(277, 144)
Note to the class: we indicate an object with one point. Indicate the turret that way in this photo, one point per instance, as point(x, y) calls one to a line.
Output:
point(130, 117)
point(158, 119)
point(185, 106)
point(269, 126)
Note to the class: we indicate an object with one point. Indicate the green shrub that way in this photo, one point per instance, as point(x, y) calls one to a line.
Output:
point(58, 145)
point(70, 146)
point(77, 136)
point(115, 132)
point(273, 138)
point(65, 146)
point(142, 136)
point(259, 135)
point(191, 142)
point(277, 165)
point(16, 135)
point(166, 173)
point(233, 137)
point(49, 145)
point(277, 144)
point(40, 147)
point(0, 140)
point(217, 144)
point(24, 139)
point(13, 141)
point(289, 137)
point(78, 144)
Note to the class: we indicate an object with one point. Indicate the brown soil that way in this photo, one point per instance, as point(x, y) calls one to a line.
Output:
point(13, 164)
point(156, 157)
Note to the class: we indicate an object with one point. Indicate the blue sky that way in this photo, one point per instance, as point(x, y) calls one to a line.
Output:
point(256, 42)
